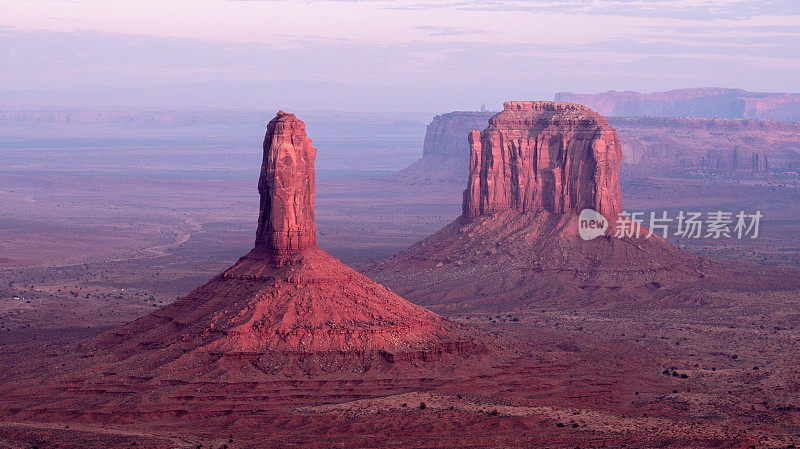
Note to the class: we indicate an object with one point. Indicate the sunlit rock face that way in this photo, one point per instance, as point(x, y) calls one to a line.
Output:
point(544, 155)
point(286, 222)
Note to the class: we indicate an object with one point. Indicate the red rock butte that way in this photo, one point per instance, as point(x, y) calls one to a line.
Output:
point(544, 155)
point(532, 171)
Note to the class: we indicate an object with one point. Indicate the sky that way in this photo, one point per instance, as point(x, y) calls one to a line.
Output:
point(364, 55)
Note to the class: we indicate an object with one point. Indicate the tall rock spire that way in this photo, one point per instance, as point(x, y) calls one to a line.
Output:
point(286, 222)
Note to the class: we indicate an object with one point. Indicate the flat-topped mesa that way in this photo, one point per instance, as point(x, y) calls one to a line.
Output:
point(544, 155)
point(286, 222)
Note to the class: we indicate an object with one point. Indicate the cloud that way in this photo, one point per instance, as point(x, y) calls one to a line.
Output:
point(449, 31)
point(683, 9)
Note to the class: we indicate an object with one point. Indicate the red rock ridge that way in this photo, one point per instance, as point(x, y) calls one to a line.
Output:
point(542, 155)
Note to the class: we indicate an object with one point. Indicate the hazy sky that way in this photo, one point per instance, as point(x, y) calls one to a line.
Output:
point(426, 55)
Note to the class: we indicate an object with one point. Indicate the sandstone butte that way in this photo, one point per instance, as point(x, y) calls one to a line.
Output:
point(532, 170)
point(285, 310)
point(556, 157)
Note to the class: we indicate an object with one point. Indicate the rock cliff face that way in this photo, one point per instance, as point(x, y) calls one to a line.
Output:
point(286, 186)
point(446, 133)
point(651, 146)
point(540, 155)
point(445, 148)
point(705, 102)
point(679, 147)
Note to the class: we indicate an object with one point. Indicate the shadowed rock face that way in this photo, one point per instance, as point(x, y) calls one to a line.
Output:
point(446, 133)
point(286, 216)
point(543, 155)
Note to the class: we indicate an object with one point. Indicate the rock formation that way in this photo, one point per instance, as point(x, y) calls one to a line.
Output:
point(287, 294)
point(651, 146)
point(445, 134)
point(537, 155)
point(517, 242)
point(286, 310)
point(286, 186)
point(705, 102)
point(445, 148)
point(684, 147)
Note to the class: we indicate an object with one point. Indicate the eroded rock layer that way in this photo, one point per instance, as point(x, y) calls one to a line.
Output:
point(651, 146)
point(542, 155)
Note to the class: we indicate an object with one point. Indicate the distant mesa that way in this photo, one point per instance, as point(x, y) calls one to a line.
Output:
point(702, 102)
point(532, 170)
point(445, 150)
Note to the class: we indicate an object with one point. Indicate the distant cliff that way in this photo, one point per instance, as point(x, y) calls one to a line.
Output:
point(652, 146)
point(705, 102)
point(447, 133)
point(445, 152)
point(674, 146)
